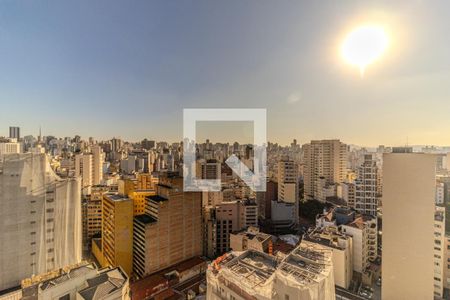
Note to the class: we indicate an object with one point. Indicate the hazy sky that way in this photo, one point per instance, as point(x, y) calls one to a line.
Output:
point(128, 68)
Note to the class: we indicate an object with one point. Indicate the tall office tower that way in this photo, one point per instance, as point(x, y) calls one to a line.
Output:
point(117, 232)
point(439, 252)
point(14, 132)
point(98, 157)
point(408, 209)
point(116, 144)
point(170, 231)
point(324, 158)
point(40, 227)
point(84, 167)
point(366, 198)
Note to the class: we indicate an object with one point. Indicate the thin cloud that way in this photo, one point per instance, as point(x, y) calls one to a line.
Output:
point(294, 98)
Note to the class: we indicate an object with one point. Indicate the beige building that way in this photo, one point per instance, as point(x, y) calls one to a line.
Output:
point(324, 158)
point(170, 231)
point(287, 183)
point(342, 248)
point(408, 208)
point(251, 238)
point(364, 231)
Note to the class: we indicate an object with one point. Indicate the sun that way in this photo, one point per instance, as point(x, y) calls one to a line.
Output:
point(364, 45)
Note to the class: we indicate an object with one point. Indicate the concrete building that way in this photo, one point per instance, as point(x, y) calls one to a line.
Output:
point(364, 232)
point(10, 147)
point(78, 282)
point(306, 273)
point(366, 198)
point(209, 169)
point(346, 191)
point(84, 168)
point(117, 232)
point(170, 231)
point(324, 158)
point(92, 214)
point(41, 218)
point(14, 132)
point(439, 252)
point(409, 182)
point(342, 248)
point(288, 184)
point(440, 193)
point(250, 238)
point(98, 159)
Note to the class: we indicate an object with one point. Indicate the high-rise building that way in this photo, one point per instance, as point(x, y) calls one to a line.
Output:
point(439, 252)
point(409, 182)
point(170, 231)
point(41, 219)
point(366, 198)
point(117, 232)
point(98, 157)
point(90, 167)
point(14, 132)
point(324, 158)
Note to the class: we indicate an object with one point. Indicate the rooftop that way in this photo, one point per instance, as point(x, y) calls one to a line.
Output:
point(116, 197)
point(156, 198)
point(146, 219)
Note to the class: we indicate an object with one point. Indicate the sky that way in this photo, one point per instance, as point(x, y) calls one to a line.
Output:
point(129, 68)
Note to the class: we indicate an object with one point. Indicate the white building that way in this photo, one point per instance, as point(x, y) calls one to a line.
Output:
point(41, 219)
point(366, 200)
point(409, 184)
point(9, 148)
point(306, 273)
point(364, 232)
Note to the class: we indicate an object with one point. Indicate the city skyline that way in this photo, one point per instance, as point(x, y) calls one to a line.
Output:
point(98, 68)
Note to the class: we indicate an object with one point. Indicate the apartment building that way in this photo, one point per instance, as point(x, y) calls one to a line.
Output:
point(323, 158)
point(439, 252)
point(341, 246)
point(409, 186)
point(366, 198)
point(170, 231)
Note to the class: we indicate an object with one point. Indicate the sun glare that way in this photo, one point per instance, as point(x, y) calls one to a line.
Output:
point(364, 45)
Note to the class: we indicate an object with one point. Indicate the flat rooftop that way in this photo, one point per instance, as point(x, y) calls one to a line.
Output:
point(156, 198)
point(116, 197)
point(146, 219)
